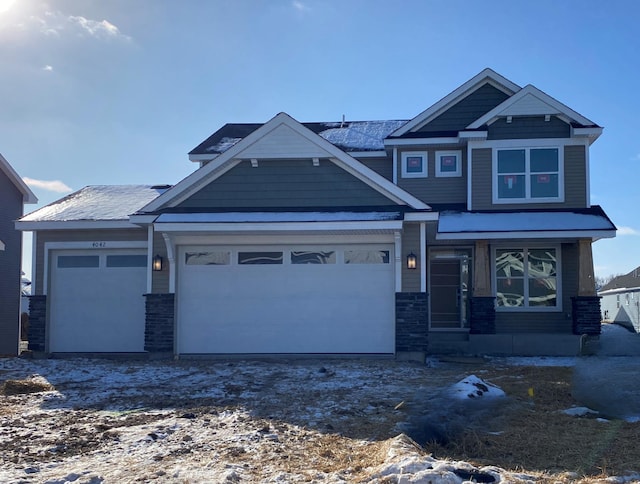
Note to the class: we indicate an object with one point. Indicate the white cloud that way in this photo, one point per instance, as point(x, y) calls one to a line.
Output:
point(50, 185)
point(301, 7)
point(100, 29)
point(627, 231)
point(47, 68)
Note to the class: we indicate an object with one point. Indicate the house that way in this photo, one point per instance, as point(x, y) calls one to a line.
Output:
point(14, 193)
point(621, 300)
point(467, 228)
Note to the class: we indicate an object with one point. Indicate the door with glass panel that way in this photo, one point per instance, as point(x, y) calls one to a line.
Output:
point(449, 279)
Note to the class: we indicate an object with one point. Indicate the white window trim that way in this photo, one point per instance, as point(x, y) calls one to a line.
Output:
point(425, 165)
point(444, 174)
point(527, 145)
point(527, 309)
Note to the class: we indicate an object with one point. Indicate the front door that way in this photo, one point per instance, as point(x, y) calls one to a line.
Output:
point(449, 276)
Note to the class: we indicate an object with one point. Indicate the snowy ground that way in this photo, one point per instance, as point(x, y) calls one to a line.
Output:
point(248, 421)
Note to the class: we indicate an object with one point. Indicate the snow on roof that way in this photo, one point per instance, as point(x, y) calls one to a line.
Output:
point(360, 135)
point(97, 202)
point(240, 217)
point(457, 222)
point(224, 144)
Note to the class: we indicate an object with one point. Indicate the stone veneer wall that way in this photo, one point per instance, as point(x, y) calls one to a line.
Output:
point(37, 322)
point(412, 326)
point(586, 315)
point(482, 319)
point(159, 323)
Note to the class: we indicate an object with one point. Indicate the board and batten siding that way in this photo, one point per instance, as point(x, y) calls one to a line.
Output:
point(286, 184)
point(528, 127)
point(10, 260)
point(547, 322)
point(44, 236)
point(575, 182)
point(467, 110)
point(432, 189)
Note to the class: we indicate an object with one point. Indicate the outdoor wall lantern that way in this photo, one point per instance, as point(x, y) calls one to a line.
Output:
point(157, 263)
point(412, 261)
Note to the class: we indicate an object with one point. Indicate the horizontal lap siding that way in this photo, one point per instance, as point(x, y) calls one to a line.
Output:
point(575, 182)
point(382, 166)
point(286, 183)
point(434, 189)
point(528, 127)
point(547, 322)
point(45, 236)
point(465, 112)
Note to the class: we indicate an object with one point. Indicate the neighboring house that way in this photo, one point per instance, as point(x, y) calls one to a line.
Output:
point(14, 193)
point(467, 228)
point(621, 300)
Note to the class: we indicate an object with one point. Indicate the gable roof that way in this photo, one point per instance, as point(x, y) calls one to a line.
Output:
point(531, 101)
point(27, 195)
point(476, 82)
point(310, 144)
point(349, 136)
point(94, 203)
point(626, 281)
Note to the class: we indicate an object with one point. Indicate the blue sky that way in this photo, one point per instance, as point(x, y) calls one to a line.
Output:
point(118, 91)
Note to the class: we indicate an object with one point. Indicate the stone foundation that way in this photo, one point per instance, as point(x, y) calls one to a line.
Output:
point(37, 322)
point(482, 319)
point(159, 323)
point(412, 322)
point(586, 315)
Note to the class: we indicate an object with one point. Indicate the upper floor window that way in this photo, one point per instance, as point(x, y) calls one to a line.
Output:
point(528, 175)
point(448, 163)
point(414, 164)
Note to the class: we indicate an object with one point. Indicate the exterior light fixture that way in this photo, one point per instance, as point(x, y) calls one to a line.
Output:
point(157, 263)
point(412, 261)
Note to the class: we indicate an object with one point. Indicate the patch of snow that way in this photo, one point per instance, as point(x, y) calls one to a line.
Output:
point(474, 387)
point(97, 202)
point(249, 217)
point(579, 411)
point(360, 135)
point(224, 144)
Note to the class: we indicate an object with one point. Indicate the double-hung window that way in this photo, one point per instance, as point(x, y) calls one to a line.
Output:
point(528, 175)
point(527, 278)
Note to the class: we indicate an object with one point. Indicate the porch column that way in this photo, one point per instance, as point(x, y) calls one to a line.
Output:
point(586, 305)
point(482, 319)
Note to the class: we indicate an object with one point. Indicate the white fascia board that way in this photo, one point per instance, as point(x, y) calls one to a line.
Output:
point(421, 217)
point(487, 75)
point(557, 234)
point(473, 135)
point(279, 226)
point(555, 107)
point(27, 195)
point(227, 160)
point(142, 219)
point(201, 158)
point(421, 141)
point(591, 133)
point(75, 225)
point(367, 154)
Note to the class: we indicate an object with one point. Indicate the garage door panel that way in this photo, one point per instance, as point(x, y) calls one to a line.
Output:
point(97, 309)
point(286, 308)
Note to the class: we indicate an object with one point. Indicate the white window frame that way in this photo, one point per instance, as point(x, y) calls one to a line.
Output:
point(424, 173)
point(444, 174)
point(527, 145)
point(525, 248)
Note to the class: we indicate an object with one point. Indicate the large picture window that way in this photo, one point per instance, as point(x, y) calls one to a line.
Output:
point(528, 175)
point(527, 278)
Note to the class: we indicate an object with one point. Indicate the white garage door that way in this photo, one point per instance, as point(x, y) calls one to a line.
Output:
point(330, 299)
point(97, 301)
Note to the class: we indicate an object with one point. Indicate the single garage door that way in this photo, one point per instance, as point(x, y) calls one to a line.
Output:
point(294, 299)
point(97, 301)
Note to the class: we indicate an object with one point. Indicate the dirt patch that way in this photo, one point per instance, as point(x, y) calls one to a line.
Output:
point(29, 385)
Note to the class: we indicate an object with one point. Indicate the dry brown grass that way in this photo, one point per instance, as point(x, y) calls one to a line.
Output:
point(540, 439)
point(29, 385)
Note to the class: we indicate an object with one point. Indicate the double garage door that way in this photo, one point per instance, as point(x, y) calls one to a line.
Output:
point(285, 299)
point(97, 300)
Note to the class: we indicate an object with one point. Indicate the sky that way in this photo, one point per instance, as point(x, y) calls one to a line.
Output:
point(119, 91)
